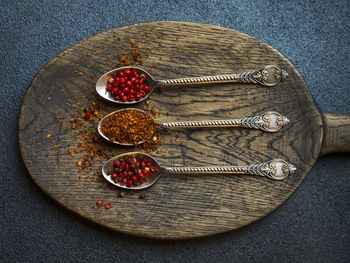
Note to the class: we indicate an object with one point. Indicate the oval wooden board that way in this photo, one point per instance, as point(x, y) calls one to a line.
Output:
point(177, 206)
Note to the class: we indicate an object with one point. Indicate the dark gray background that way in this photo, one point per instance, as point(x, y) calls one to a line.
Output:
point(312, 226)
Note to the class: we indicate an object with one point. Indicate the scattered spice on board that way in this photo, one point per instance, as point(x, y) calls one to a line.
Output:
point(90, 151)
point(128, 126)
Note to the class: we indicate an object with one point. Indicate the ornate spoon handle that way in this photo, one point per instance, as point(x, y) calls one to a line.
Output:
point(275, 169)
point(268, 76)
point(269, 121)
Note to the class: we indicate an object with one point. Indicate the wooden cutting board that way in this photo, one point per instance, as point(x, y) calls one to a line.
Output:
point(177, 206)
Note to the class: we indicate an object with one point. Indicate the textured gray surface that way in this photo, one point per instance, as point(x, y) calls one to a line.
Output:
point(312, 226)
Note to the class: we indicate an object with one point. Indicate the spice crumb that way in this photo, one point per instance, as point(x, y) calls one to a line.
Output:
point(142, 196)
point(48, 136)
point(196, 52)
point(160, 88)
point(36, 130)
point(79, 163)
point(80, 74)
point(49, 98)
point(88, 54)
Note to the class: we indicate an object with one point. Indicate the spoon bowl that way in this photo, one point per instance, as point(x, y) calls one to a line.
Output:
point(117, 142)
point(102, 83)
point(109, 165)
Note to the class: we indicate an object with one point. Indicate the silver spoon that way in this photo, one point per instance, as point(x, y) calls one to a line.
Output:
point(269, 75)
point(275, 169)
point(270, 121)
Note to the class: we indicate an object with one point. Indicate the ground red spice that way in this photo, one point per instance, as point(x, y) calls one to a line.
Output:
point(128, 126)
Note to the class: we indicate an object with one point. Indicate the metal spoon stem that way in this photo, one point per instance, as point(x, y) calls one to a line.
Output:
point(269, 76)
point(275, 169)
point(270, 122)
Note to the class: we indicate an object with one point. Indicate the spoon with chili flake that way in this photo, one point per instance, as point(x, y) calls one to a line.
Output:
point(134, 126)
point(136, 171)
point(129, 85)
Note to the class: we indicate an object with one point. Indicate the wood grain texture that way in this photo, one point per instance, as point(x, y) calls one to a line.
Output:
point(337, 133)
point(176, 206)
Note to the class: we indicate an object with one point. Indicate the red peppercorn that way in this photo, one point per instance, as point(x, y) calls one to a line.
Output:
point(116, 90)
point(131, 97)
point(87, 115)
point(127, 72)
point(128, 83)
point(108, 205)
point(143, 164)
point(146, 88)
point(142, 196)
point(99, 203)
point(131, 171)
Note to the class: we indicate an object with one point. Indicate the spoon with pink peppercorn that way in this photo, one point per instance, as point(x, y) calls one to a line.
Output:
point(129, 85)
point(136, 171)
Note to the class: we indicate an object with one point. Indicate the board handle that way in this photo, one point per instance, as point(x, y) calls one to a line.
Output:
point(336, 133)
